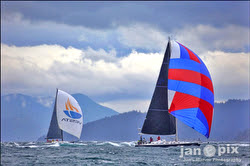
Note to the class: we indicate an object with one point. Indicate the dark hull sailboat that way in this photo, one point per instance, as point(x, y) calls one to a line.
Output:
point(185, 82)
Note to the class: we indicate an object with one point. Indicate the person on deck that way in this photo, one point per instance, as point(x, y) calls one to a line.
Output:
point(158, 138)
point(140, 141)
point(150, 140)
point(144, 141)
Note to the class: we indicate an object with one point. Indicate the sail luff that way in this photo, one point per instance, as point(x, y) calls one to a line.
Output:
point(158, 120)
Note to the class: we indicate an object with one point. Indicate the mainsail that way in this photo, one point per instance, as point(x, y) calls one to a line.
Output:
point(67, 116)
point(185, 82)
point(158, 120)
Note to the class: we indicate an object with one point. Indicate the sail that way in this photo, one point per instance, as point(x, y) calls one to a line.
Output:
point(54, 131)
point(69, 114)
point(191, 89)
point(158, 120)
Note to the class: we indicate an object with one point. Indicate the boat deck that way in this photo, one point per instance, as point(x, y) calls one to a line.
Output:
point(169, 145)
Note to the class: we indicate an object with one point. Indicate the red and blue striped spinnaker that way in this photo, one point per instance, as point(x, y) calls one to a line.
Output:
point(190, 89)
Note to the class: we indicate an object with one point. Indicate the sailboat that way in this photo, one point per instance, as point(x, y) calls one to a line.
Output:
point(184, 82)
point(67, 116)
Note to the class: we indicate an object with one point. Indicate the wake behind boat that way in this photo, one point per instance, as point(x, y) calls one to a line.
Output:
point(185, 82)
point(67, 116)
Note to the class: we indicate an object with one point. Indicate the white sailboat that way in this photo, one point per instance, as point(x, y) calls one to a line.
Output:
point(67, 116)
point(184, 82)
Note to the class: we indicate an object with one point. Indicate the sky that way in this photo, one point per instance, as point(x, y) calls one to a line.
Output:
point(112, 51)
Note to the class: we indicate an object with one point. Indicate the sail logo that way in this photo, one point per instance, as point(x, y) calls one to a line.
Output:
point(71, 111)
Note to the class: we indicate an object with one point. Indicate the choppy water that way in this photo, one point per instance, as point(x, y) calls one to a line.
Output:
point(119, 153)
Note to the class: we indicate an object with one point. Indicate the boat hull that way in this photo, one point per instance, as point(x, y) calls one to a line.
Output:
point(169, 145)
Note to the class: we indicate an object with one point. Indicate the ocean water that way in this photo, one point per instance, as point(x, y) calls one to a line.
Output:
point(122, 153)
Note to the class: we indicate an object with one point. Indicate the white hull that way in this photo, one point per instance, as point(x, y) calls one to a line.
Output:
point(168, 144)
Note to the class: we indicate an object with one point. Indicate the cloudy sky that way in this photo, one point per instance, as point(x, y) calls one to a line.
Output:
point(112, 51)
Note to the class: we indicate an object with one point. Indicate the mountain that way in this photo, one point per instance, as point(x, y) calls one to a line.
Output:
point(230, 123)
point(243, 136)
point(22, 118)
point(122, 127)
point(230, 120)
point(91, 110)
point(26, 118)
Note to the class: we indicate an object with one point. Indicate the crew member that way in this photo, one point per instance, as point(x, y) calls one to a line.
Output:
point(150, 140)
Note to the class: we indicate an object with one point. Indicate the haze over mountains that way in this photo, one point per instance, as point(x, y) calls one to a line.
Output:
point(26, 118)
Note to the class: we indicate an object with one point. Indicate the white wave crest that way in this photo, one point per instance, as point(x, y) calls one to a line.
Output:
point(32, 146)
point(8, 144)
point(19, 146)
point(31, 143)
point(16, 144)
point(132, 143)
point(72, 144)
point(110, 143)
point(56, 144)
point(241, 144)
point(81, 144)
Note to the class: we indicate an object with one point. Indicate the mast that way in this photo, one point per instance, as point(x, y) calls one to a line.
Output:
point(62, 134)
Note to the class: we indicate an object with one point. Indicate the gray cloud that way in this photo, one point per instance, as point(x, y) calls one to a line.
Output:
point(102, 15)
point(21, 32)
point(232, 38)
